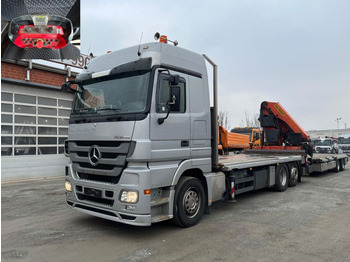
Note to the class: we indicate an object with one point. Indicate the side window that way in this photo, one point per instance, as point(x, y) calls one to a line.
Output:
point(163, 94)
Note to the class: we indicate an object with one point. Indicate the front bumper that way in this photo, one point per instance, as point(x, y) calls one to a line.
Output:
point(324, 150)
point(126, 218)
point(107, 204)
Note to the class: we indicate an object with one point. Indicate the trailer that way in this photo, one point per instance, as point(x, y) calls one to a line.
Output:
point(143, 140)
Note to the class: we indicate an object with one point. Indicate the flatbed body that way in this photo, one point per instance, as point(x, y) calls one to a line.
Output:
point(242, 161)
point(325, 162)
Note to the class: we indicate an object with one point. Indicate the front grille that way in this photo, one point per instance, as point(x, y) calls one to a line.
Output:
point(99, 178)
point(99, 166)
point(97, 200)
point(111, 164)
point(99, 143)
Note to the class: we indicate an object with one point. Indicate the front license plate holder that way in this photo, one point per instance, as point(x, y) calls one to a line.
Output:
point(93, 192)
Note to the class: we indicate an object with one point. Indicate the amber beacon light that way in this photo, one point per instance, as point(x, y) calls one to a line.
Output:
point(164, 39)
point(41, 31)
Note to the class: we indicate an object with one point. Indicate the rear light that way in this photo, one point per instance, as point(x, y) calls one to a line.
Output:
point(41, 31)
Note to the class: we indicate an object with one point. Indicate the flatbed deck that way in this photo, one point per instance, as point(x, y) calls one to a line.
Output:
point(240, 161)
point(320, 158)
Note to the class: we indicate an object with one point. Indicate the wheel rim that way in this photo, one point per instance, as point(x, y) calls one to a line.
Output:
point(283, 177)
point(294, 174)
point(191, 202)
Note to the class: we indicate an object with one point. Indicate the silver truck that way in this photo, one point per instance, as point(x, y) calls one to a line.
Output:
point(326, 145)
point(143, 141)
point(344, 143)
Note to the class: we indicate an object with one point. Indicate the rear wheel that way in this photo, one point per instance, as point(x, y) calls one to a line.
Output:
point(293, 175)
point(282, 177)
point(189, 202)
point(341, 164)
point(337, 167)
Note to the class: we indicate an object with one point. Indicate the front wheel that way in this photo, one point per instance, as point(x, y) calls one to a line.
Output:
point(189, 202)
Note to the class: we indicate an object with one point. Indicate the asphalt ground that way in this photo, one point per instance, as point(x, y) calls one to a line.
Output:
point(310, 222)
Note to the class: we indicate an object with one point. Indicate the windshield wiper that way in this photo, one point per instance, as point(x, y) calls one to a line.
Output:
point(82, 120)
point(108, 107)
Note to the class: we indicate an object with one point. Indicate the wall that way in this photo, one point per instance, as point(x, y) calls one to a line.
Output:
point(328, 132)
point(43, 83)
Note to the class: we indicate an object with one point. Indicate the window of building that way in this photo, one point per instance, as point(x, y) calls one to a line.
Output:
point(33, 125)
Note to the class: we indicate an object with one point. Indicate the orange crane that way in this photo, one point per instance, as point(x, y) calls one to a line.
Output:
point(280, 130)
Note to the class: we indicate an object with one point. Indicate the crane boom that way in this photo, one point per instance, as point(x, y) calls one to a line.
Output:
point(279, 127)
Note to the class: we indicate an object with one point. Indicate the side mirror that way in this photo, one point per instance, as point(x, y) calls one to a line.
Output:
point(174, 101)
point(67, 87)
point(174, 80)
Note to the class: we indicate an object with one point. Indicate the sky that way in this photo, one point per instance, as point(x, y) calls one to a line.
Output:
point(295, 52)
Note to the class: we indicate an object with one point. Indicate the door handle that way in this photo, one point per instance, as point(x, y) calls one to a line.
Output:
point(185, 143)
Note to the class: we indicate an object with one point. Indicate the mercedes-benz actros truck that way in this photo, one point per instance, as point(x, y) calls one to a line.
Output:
point(143, 140)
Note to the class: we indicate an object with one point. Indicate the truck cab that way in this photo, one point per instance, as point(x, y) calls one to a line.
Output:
point(326, 145)
point(344, 143)
point(141, 119)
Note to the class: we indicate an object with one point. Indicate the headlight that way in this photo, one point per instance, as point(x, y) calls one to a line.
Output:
point(68, 186)
point(129, 196)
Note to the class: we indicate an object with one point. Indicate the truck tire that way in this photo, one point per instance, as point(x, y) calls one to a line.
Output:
point(282, 177)
point(293, 175)
point(341, 164)
point(189, 202)
point(337, 166)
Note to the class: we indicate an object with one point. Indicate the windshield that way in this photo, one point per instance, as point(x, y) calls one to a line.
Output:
point(344, 140)
point(242, 131)
point(124, 93)
point(323, 143)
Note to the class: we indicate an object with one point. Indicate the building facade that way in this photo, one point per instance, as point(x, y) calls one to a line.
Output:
point(328, 132)
point(34, 120)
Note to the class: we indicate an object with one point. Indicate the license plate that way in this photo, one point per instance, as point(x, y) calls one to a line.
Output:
point(92, 192)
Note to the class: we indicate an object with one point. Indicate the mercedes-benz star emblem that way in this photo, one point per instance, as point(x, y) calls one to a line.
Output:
point(94, 155)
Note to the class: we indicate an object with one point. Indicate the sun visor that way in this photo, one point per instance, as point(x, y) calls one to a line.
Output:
point(139, 65)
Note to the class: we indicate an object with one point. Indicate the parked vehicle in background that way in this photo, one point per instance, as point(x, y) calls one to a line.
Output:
point(232, 142)
point(344, 143)
point(312, 143)
point(326, 145)
point(253, 132)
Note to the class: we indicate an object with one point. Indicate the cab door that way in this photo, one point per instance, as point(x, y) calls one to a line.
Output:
point(171, 139)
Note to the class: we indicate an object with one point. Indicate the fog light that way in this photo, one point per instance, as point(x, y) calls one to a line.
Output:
point(68, 186)
point(129, 196)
